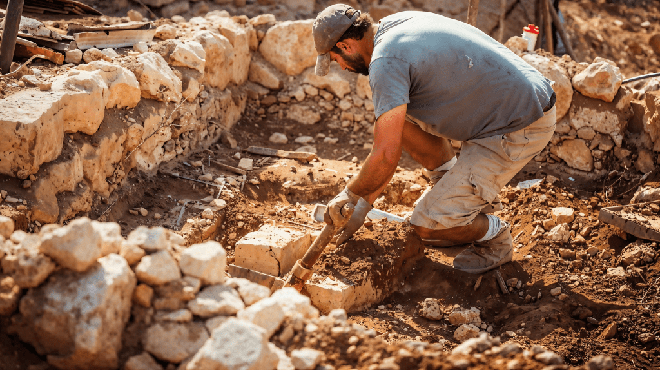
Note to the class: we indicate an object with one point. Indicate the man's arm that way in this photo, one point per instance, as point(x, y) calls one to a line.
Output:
point(381, 163)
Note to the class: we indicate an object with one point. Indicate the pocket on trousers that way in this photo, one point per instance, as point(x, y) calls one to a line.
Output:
point(526, 143)
point(484, 188)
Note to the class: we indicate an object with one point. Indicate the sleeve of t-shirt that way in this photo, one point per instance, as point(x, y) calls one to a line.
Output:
point(390, 84)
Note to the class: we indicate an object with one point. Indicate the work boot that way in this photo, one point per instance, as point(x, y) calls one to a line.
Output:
point(487, 255)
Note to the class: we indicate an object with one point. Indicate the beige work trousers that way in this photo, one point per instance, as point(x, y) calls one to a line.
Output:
point(483, 168)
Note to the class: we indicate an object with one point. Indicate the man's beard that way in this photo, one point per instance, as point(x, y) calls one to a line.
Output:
point(355, 63)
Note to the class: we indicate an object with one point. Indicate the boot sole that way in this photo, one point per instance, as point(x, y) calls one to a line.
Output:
point(508, 258)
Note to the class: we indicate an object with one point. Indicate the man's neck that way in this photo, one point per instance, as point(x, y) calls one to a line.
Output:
point(367, 44)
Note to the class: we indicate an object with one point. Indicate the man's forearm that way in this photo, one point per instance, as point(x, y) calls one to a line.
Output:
point(374, 176)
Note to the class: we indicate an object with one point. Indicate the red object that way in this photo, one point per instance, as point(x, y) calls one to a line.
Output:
point(531, 29)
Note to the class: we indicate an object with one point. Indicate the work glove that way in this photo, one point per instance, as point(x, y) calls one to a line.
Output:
point(333, 214)
point(355, 223)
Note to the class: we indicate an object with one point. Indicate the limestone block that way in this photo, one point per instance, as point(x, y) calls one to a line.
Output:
point(646, 194)
point(240, 40)
point(181, 316)
point(262, 19)
point(265, 74)
point(294, 303)
point(174, 342)
point(563, 215)
point(6, 226)
point(562, 86)
point(189, 54)
point(100, 157)
point(289, 46)
point(77, 319)
point(85, 112)
point(225, 107)
point(560, 233)
point(464, 316)
point(306, 358)
point(151, 153)
point(157, 80)
point(651, 120)
point(216, 300)
point(123, 86)
point(576, 153)
point(73, 56)
point(76, 246)
point(94, 54)
point(183, 289)
point(236, 344)
point(206, 261)
point(218, 70)
point(166, 32)
point(111, 239)
point(272, 250)
point(303, 114)
point(150, 239)
point(192, 90)
point(249, 291)
point(10, 292)
point(143, 361)
point(362, 87)
point(142, 295)
point(601, 80)
point(334, 82)
point(158, 268)
point(465, 332)
point(27, 265)
point(267, 313)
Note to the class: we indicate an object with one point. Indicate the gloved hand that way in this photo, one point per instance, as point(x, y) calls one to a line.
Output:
point(355, 223)
point(333, 214)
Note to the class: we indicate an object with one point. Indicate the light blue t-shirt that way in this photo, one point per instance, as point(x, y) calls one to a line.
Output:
point(456, 79)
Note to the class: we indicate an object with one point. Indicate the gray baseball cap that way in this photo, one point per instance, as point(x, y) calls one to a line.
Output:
point(328, 28)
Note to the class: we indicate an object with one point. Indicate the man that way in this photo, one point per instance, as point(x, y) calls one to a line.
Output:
point(434, 79)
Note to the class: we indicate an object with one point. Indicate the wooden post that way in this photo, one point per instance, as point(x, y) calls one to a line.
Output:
point(562, 30)
point(473, 10)
point(548, 28)
point(539, 20)
point(12, 22)
point(502, 16)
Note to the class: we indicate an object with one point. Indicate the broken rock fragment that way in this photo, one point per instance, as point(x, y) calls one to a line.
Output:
point(464, 316)
point(158, 268)
point(236, 344)
point(289, 46)
point(206, 261)
point(189, 54)
point(601, 80)
point(465, 332)
point(431, 309)
point(157, 80)
point(216, 300)
point(174, 342)
point(76, 246)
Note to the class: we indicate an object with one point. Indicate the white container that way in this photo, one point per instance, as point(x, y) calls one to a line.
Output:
point(530, 33)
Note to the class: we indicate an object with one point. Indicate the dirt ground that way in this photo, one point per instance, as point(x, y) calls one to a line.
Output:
point(571, 324)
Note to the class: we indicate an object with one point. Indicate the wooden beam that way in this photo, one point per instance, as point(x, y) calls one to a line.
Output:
point(550, 47)
point(473, 10)
point(12, 23)
point(562, 30)
point(500, 38)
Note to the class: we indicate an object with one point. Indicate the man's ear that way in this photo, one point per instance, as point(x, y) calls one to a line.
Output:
point(345, 47)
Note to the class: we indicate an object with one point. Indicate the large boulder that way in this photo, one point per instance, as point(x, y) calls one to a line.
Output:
point(562, 86)
point(239, 38)
point(218, 70)
point(289, 46)
point(157, 80)
point(335, 81)
point(600, 80)
point(77, 319)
